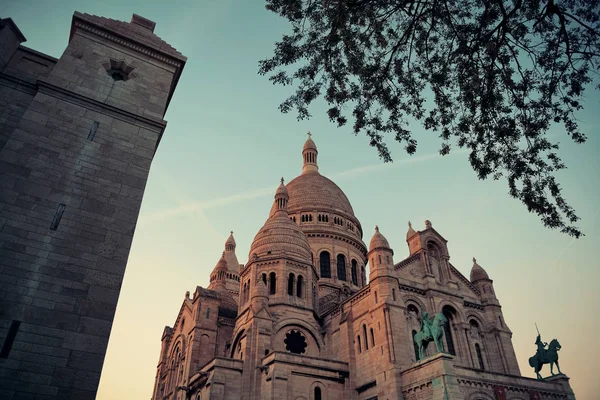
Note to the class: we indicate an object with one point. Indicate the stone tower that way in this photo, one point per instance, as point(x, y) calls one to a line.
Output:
point(77, 137)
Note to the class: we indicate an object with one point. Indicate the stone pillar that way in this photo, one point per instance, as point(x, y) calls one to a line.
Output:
point(563, 381)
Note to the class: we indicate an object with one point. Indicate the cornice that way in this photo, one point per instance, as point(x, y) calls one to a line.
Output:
point(341, 237)
point(126, 42)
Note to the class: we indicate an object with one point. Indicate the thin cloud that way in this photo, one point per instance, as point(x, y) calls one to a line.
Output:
point(381, 166)
point(193, 207)
point(562, 253)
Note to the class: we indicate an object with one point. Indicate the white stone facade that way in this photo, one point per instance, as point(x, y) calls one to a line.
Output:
point(295, 334)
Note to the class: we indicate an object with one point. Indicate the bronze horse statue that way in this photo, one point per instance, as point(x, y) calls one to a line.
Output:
point(437, 331)
point(549, 356)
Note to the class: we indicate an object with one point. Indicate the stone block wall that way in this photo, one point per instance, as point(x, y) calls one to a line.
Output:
point(74, 169)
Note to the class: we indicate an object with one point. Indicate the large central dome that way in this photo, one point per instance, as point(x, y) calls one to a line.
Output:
point(321, 211)
point(311, 190)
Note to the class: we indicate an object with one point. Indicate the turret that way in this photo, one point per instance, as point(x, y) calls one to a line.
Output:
point(219, 276)
point(482, 282)
point(380, 256)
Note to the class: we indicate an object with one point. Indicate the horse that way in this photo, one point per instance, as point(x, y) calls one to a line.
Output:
point(549, 356)
point(437, 332)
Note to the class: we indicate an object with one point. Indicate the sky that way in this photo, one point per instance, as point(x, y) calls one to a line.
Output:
point(226, 146)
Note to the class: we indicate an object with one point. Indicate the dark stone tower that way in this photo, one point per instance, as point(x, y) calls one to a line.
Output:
point(77, 137)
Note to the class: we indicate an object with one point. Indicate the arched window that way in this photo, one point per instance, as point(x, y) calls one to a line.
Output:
point(291, 285)
point(207, 313)
point(479, 357)
point(362, 277)
point(264, 278)
point(379, 258)
point(325, 264)
point(354, 273)
point(449, 313)
point(376, 299)
point(359, 344)
point(341, 267)
point(415, 345)
point(299, 288)
point(317, 393)
point(365, 336)
point(394, 294)
point(272, 283)
point(372, 338)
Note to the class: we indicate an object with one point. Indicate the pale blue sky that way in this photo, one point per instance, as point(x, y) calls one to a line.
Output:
point(227, 145)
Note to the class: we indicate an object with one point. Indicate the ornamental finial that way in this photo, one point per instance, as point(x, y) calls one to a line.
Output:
point(377, 228)
point(282, 180)
point(309, 134)
point(474, 260)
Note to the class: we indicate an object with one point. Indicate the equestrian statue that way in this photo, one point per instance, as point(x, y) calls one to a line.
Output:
point(545, 356)
point(431, 330)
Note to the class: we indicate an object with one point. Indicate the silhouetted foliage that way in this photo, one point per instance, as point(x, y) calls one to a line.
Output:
point(499, 74)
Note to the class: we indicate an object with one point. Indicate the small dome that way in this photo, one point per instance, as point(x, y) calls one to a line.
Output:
point(279, 234)
point(281, 190)
point(477, 272)
point(410, 232)
point(378, 241)
point(309, 144)
point(222, 264)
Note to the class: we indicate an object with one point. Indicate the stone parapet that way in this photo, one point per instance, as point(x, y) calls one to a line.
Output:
point(471, 381)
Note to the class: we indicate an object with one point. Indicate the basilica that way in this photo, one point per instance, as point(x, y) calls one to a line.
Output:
point(316, 314)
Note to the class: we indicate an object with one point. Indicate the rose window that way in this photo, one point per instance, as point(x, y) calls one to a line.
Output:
point(295, 342)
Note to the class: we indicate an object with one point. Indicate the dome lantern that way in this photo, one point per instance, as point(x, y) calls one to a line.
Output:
point(309, 154)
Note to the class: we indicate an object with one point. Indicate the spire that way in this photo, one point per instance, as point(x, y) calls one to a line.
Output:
point(410, 232)
point(378, 241)
point(477, 272)
point(230, 243)
point(233, 265)
point(309, 154)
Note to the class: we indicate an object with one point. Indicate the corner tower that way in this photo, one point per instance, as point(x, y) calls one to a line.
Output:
point(322, 210)
point(225, 276)
point(73, 168)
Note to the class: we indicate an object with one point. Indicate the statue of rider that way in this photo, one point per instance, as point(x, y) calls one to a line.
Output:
point(426, 324)
point(541, 347)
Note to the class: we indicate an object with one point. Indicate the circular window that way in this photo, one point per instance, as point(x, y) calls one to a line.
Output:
point(295, 342)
